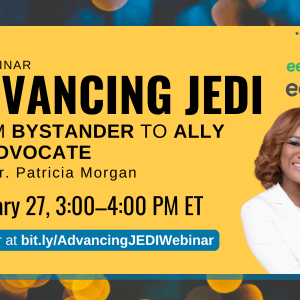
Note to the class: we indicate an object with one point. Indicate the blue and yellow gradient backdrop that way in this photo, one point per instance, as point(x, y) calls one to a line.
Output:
point(149, 12)
point(221, 170)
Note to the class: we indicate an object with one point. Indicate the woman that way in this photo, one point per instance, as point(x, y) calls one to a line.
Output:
point(271, 220)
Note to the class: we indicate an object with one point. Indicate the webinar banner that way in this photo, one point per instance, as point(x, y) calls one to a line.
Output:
point(150, 149)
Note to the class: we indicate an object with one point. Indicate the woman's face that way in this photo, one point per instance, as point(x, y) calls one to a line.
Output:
point(290, 159)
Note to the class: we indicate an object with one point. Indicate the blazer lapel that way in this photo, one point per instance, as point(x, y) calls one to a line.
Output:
point(285, 205)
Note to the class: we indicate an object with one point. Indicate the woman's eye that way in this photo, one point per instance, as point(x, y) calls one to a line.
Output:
point(294, 143)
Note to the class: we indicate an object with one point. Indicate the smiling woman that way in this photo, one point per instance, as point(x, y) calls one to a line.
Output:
point(271, 220)
point(290, 166)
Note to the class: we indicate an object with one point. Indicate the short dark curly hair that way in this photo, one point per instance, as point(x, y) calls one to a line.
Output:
point(267, 164)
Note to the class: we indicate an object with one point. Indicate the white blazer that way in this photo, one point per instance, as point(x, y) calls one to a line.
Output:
point(271, 224)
